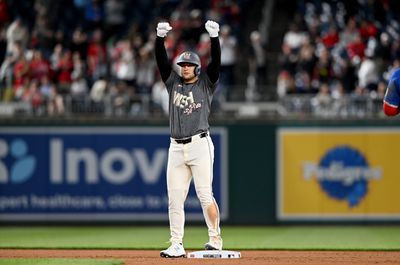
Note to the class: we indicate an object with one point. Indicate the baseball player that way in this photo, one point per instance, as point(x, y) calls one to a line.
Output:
point(391, 100)
point(191, 151)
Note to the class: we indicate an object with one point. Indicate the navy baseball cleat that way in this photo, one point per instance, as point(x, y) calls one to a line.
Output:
point(174, 251)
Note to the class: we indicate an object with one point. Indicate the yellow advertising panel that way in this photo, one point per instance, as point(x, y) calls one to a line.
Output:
point(338, 174)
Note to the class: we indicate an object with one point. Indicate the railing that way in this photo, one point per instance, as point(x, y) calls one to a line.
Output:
point(291, 106)
point(308, 106)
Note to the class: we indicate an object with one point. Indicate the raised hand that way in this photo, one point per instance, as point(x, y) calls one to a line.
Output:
point(163, 28)
point(213, 28)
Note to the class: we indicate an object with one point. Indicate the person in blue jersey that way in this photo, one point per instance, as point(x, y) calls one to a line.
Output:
point(391, 101)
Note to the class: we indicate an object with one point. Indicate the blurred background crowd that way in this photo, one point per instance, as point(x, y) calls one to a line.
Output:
point(96, 56)
point(339, 50)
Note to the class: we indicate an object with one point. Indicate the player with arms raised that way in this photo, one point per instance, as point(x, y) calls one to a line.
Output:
point(391, 101)
point(191, 151)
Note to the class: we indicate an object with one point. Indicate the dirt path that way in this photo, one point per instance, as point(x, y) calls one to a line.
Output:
point(151, 257)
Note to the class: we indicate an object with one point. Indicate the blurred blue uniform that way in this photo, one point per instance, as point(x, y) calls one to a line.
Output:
point(392, 96)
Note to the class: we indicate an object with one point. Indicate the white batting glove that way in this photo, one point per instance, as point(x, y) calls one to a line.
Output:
point(213, 28)
point(162, 29)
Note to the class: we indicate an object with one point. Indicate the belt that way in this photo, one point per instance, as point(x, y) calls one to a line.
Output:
point(189, 139)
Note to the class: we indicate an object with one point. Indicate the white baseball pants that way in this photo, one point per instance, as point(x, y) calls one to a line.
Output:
point(194, 159)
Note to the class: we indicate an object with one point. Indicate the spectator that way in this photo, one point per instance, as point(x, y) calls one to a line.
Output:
point(124, 65)
point(368, 74)
point(33, 96)
point(146, 71)
point(53, 101)
point(228, 59)
point(79, 66)
point(94, 15)
point(331, 38)
point(293, 38)
point(79, 88)
point(322, 101)
point(96, 57)
point(286, 84)
point(350, 33)
point(323, 68)
point(114, 20)
point(257, 63)
point(17, 32)
point(119, 98)
point(43, 35)
point(159, 96)
point(356, 48)
point(203, 48)
point(306, 58)
point(56, 56)
point(193, 28)
point(21, 76)
point(64, 70)
point(79, 43)
point(98, 91)
point(39, 66)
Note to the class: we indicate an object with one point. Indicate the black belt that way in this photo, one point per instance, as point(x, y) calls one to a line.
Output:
point(189, 140)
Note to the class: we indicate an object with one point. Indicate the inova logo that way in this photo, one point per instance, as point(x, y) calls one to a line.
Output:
point(22, 164)
point(343, 173)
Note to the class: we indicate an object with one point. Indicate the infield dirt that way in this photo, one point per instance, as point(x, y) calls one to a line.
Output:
point(151, 257)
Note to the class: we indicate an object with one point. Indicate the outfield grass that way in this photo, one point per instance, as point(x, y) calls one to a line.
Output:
point(59, 262)
point(242, 238)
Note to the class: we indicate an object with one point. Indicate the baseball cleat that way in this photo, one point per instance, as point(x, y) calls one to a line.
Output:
point(174, 251)
point(215, 243)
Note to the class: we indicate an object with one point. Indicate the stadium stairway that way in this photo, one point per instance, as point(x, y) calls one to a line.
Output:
point(282, 14)
point(253, 17)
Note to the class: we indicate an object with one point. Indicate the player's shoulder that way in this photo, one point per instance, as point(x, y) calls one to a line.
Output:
point(395, 74)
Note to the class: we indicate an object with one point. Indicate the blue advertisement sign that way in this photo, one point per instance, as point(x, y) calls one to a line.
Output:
point(95, 173)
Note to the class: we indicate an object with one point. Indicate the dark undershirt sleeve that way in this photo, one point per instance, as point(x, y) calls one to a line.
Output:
point(215, 63)
point(162, 59)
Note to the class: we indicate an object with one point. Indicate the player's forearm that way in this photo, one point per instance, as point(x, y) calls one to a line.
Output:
point(162, 59)
point(215, 63)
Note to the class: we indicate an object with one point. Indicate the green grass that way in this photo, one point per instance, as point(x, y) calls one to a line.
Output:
point(242, 238)
point(59, 262)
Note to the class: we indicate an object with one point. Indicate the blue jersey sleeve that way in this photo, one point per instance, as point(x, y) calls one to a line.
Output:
point(392, 96)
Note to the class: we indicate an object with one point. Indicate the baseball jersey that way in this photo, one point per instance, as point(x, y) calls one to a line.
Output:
point(189, 104)
point(392, 96)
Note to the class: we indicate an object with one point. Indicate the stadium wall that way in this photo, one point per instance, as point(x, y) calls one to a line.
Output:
point(266, 172)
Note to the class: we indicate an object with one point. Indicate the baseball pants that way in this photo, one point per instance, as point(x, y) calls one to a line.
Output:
point(194, 159)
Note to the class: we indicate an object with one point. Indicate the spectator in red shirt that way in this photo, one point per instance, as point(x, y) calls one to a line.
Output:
point(64, 70)
point(331, 37)
point(96, 57)
point(21, 75)
point(356, 48)
point(39, 66)
point(367, 29)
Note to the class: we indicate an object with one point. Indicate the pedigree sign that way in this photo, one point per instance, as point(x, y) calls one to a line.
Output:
point(338, 174)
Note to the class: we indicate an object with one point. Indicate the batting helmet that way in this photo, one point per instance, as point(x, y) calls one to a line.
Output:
point(192, 58)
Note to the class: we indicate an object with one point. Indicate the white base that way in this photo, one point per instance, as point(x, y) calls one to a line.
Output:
point(214, 254)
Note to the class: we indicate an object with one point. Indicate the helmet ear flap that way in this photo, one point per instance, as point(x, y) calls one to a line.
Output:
point(197, 70)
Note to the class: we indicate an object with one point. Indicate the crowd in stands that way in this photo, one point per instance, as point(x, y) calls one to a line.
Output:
point(340, 48)
point(97, 55)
